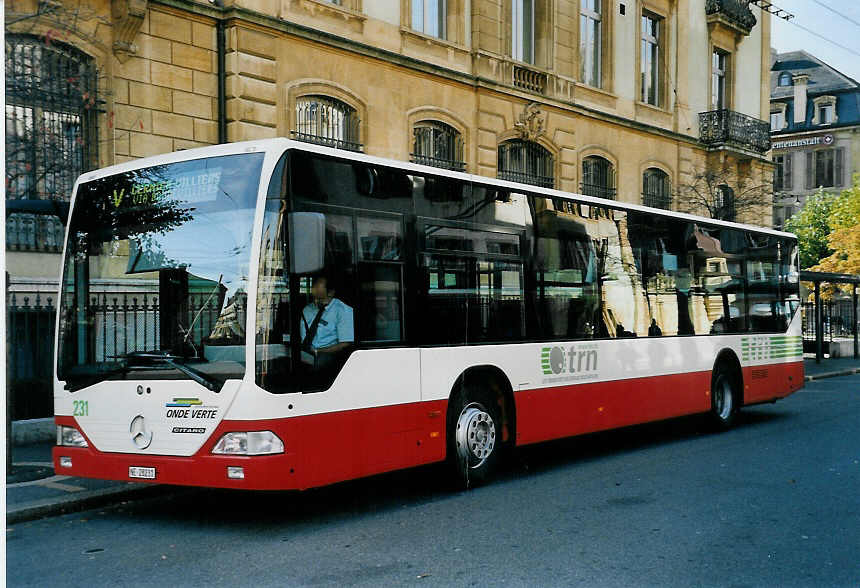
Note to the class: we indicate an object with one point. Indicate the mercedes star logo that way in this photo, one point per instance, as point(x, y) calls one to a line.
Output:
point(141, 437)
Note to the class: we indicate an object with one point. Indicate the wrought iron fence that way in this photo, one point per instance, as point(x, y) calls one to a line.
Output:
point(30, 323)
point(124, 323)
point(837, 320)
point(720, 127)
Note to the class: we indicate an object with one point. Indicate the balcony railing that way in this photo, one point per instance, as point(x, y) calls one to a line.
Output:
point(527, 79)
point(727, 128)
point(736, 12)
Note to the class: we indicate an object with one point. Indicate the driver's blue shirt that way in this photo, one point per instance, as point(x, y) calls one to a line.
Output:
point(335, 326)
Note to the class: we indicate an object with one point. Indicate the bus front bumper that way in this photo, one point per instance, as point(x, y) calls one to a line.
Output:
point(259, 472)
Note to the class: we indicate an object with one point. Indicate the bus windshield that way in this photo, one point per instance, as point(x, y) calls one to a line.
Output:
point(155, 273)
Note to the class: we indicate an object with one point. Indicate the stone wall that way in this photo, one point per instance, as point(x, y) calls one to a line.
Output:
point(164, 98)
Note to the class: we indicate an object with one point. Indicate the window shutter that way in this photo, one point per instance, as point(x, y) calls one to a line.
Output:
point(810, 170)
point(786, 171)
point(837, 168)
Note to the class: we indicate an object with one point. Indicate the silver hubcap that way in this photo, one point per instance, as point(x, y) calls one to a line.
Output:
point(476, 435)
point(723, 399)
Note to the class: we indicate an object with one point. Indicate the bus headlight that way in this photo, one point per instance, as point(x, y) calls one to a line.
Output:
point(70, 437)
point(249, 443)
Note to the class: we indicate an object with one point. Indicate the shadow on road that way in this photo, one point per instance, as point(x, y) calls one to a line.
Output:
point(290, 511)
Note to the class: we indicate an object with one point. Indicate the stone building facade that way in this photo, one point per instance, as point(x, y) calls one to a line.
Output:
point(815, 130)
point(626, 99)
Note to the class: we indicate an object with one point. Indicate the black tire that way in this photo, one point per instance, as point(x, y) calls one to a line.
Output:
point(725, 397)
point(474, 434)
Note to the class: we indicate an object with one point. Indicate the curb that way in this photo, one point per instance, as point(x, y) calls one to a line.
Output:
point(47, 507)
point(847, 372)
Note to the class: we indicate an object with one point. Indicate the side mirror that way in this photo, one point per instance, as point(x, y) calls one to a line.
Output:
point(307, 242)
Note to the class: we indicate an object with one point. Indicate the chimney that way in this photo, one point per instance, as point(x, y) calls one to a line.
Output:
point(800, 84)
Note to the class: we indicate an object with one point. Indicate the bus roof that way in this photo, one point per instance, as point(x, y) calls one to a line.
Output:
point(282, 143)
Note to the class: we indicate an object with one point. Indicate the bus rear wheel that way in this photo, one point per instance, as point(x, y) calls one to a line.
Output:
point(474, 436)
point(724, 398)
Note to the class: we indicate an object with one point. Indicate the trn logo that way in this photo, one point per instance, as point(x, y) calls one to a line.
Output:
point(574, 359)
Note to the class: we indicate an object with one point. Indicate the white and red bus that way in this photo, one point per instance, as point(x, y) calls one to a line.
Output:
point(485, 314)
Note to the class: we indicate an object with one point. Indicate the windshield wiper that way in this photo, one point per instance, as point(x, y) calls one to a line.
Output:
point(171, 360)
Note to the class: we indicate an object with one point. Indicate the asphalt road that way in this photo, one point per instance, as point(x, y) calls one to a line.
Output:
point(773, 502)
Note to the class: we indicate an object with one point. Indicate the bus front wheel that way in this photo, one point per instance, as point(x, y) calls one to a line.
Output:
point(474, 436)
point(724, 398)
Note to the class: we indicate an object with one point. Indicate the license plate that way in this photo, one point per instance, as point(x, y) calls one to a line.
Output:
point(143, 473)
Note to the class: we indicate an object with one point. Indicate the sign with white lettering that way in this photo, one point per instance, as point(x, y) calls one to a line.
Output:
point(803, 142)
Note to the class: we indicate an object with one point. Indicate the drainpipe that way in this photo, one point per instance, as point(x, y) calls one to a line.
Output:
point(221, 48)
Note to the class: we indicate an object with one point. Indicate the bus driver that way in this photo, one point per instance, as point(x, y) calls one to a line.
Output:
point(326, 327)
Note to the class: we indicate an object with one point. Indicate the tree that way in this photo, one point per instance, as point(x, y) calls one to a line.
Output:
point(844, 238)
point(720, 193)
point(812, 225)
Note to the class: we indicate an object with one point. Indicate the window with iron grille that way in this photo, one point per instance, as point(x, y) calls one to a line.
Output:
point(656, 188)
point(327, 121)
point(437, 144)
point(525, 162)
point(51, 110)
point(598, 177)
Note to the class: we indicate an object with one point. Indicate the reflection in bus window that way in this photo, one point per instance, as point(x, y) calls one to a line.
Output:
point(567, 289)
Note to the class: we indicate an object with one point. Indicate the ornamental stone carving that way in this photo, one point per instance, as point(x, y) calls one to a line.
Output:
point(531, 122)
point(127, 16)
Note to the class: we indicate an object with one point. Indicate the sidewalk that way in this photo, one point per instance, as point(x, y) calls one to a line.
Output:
point(829, 368)
point(34, 491)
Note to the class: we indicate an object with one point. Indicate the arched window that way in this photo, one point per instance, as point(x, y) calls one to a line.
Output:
point(598, 177)
point(327, 121)
point(437, 144)
point(656, 188)
point(724, 204)
point(51, 109)
point(784, 79)
point(525, 162)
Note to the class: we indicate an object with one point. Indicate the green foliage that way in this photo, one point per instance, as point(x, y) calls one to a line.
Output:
point(846, 208)
point(812, 226)
point(844, 240)
point(823, 217)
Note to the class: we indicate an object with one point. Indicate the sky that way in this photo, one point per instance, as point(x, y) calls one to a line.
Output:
point(812, 14)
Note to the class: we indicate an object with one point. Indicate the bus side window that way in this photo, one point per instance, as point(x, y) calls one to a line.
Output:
point(565, 295)
point(380, 278)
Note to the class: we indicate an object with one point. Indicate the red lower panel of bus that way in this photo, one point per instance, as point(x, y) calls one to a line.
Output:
point(326, 448)
point(318, 450)
point(764, 383)
point(563, 411)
